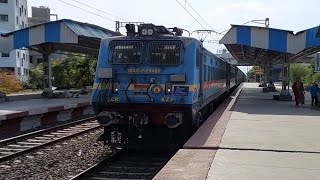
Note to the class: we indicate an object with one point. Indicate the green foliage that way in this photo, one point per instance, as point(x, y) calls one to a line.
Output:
point(251, 73)
point(306, 73)
point(74, 72)
point(301, 71)
point(316, 77)
point(35, 78)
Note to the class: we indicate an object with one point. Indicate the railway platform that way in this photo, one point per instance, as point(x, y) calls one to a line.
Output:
point(251, 136)
point(27, 114)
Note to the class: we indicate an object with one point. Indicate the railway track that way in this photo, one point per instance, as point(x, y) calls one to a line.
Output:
point(20, 145)
point(127, 165)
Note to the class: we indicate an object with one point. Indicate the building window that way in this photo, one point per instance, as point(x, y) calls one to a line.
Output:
point(18, 54)
point(24, 57)
point(18, 71)
point(3, 1)
point(17, 2)
point(22, 8)
point(4, 18)
point(5, 54)
point(20, 11)
point(17, 20)
point(22, 24)
point(25, 11)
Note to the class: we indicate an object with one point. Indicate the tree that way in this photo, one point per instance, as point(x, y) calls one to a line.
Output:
point(74, 72)
point(301, 71)
point(316, 77)
point(252, 73)
point(35, 78)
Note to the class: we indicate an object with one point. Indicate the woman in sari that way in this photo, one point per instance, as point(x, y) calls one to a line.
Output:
point(298, 92)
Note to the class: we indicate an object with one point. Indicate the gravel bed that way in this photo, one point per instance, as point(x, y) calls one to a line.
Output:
point(61, 161)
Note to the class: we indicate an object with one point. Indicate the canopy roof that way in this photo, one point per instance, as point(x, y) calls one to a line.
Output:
point(252, 45)
point(63, 35)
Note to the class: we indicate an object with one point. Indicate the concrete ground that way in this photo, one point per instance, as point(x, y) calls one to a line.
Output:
point(267, 139)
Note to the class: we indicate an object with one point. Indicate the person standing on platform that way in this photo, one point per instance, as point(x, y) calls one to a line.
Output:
point(314, 93)
point(298, 91)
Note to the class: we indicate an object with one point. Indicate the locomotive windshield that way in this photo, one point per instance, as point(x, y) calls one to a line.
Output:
point(160, 52)
point(126, 52)
point(164, 53)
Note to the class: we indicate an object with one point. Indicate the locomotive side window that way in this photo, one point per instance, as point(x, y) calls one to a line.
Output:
point(164, 53)
point(198, 56)
point(205, 73)
point(126, 52)
point(208, 73)
point(212, 73)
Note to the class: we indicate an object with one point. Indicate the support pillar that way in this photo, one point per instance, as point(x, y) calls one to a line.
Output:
point(285, 91)
point(266, 74)
point(47, 82)
point(263, 76)
point(285, 76)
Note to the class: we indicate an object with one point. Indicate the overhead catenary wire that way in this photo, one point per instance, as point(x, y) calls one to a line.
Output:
point(190, 14)
point(194, 17)
point(104, 12)
point(86, 10)
point(201, 17)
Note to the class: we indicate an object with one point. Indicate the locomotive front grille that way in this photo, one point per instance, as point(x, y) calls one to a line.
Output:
point(126, 52)
point(164, 53)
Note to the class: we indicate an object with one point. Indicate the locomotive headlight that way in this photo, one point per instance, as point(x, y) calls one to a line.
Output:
point(168, 88)
point(147, 30)
point(115, 87)
point(150, 32)
point(144, 32)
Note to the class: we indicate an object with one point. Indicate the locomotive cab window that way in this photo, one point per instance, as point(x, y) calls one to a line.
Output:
point(126, 52)
point(164, 53)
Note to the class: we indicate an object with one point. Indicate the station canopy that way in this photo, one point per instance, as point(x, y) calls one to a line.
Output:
point(252, 45)
point(63, 35)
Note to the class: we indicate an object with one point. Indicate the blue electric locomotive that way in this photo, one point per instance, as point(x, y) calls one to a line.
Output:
point(155, 83)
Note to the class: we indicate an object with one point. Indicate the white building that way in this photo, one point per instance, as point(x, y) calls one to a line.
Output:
point(14, 16)
point(40, 15)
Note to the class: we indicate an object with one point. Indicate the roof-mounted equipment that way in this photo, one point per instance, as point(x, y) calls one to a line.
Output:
point(147, 30)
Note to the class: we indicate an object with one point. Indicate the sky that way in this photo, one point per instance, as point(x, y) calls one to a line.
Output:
point(295, 15)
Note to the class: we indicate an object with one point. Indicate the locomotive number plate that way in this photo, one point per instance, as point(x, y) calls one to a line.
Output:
point(144, 71)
